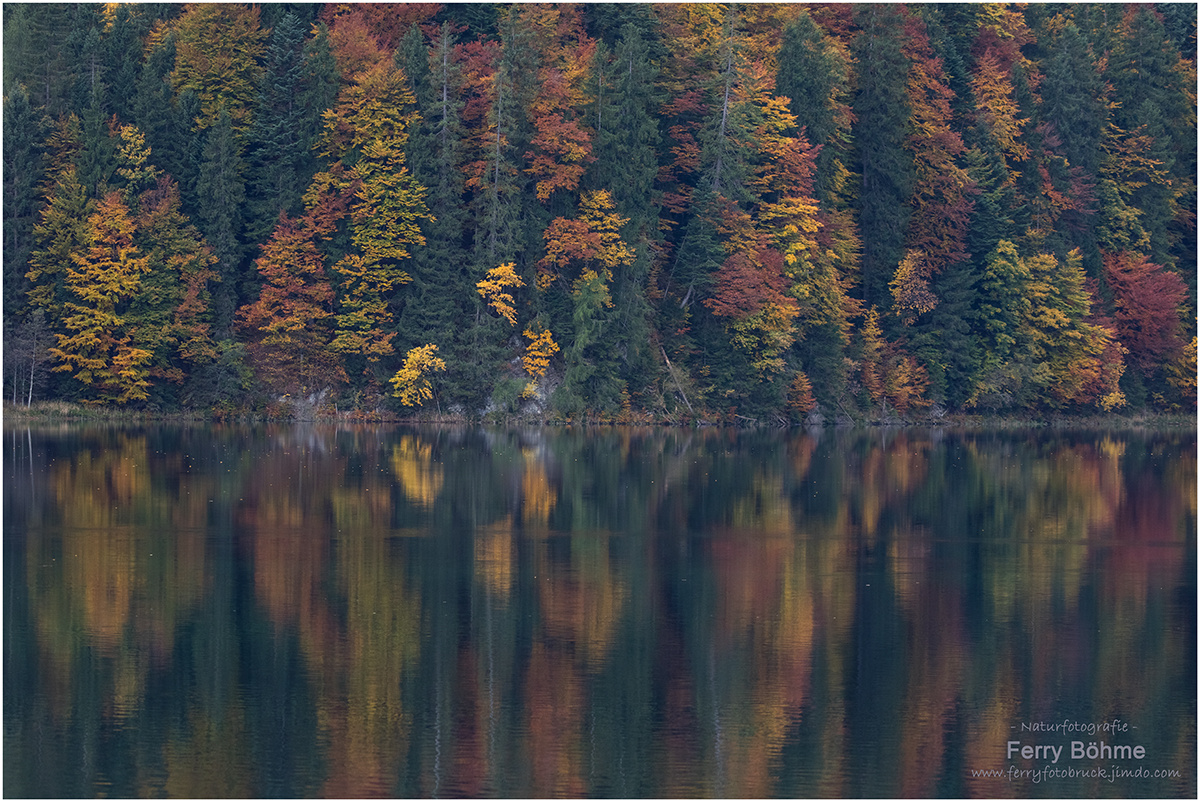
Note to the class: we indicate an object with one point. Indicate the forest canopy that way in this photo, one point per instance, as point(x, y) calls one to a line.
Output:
point(770, 212)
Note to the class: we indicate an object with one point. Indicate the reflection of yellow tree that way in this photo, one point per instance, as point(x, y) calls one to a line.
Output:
point(1055, 500)
point(764, 508)
point(366, 722)
point(826, 569)
point(494, 556)
point(538, 497)
point(360, 639)
point(412, 464)
point(361, 509)
point(120, 577)
point(890, 473)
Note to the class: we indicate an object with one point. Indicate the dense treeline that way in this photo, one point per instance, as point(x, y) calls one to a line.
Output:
point(626, 211)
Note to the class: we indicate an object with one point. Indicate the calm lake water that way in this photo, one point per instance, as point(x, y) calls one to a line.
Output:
point(312, 611)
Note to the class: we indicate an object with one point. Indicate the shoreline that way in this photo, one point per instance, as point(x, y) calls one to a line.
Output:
point(65, 412)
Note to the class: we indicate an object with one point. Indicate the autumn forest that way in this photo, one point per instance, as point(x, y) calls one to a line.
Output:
point(609, 212)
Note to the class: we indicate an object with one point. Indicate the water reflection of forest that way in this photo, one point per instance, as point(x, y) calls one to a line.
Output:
point(357, 612)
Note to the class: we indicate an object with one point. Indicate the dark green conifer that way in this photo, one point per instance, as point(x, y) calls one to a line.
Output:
point(221, 192)
point(882, 111)
point(286, 121)
point(24, 134)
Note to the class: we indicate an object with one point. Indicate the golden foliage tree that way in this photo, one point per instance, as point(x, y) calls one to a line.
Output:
point(98, 346)
point(537, 354)
point(218, 47)
point(370, 183)
point(411, 383)
point(910, 291)
point(494, 289)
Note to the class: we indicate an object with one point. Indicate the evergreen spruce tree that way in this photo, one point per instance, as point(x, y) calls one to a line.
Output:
point(87, 55)
point(286, 122)
point(151, 105)
point(183, 152)
point(882, 110)
point(41, 41)
point(1074, 106)
point(627, 139)
point(61, 227)
point(1151, 94)
point(121, 49)
point(220, 193)
point(24, 134)
point(500, 182)
point(440, 305)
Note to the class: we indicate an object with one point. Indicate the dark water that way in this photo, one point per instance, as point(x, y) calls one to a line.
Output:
point(318, 611)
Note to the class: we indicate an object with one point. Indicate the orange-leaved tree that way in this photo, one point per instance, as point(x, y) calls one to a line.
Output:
point(561, 147)
point(750, 293)
point(1147, 300)
point(592, 242)
point(290, 327)
point(889, 374)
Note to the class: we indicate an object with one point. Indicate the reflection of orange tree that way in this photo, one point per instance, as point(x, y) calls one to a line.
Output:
point(890, 473)
point(935, 664)
point(469, 767)
point(780, 596)
point(757, 710)
point(555, 701)
point(581, 605)
point(784, 592)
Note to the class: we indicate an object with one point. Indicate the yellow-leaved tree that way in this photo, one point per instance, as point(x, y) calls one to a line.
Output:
point(411, 383)
point(370, 185)
point(98, 347)
point(537, 355)
point(494, 289)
